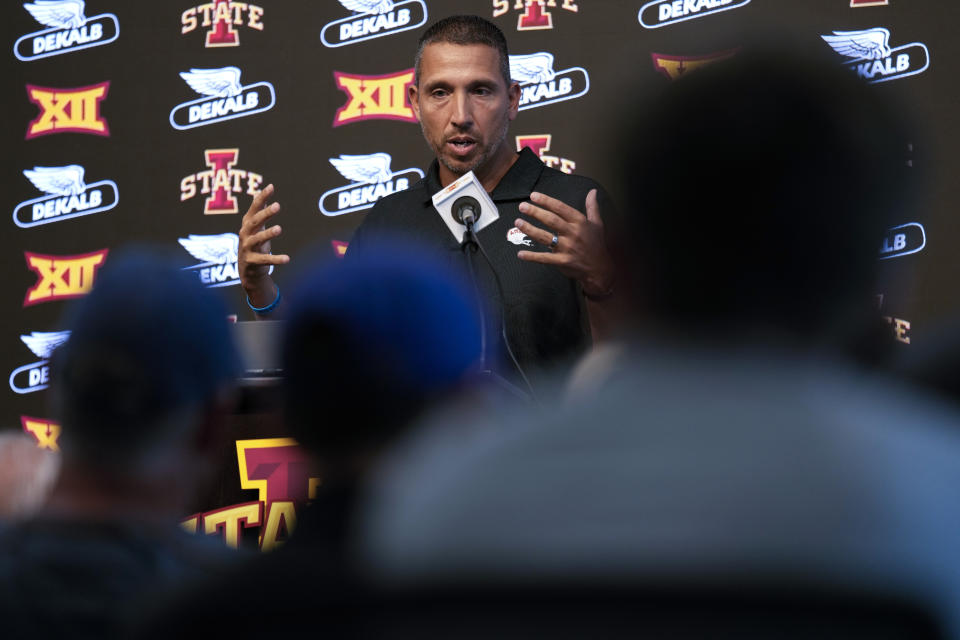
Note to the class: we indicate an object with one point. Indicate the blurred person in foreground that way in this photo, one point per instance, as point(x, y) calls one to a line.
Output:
point(27, 474)
point(142, 390)
point(370, 346)
point(733, 469)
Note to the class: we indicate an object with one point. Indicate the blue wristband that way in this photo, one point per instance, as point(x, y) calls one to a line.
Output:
point(267, 309)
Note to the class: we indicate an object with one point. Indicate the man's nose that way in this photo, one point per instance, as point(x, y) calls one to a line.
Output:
point(462, 113)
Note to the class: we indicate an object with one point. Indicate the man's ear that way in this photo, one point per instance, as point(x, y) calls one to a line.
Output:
point(413, 95)
point(513, 94)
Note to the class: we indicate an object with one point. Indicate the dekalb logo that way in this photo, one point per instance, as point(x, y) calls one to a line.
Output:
point(68, 110)
point(67, 196)
point(374, 97)
point(675, 66)
point(660, 13)
point(903, 240)
point(69, 30)
point(377, 18)
point(36, 375)
point(540, 144)
point(536, 13)
point(218, 258)
point(62, 277)
point(872, 58)
point(868, 3)
point(220, 181)
point(221, 18)
point(371, 179)
point(540, 85)
point(224, 98)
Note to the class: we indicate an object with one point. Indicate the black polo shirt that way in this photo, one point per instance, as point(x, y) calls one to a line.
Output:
point(544, 310)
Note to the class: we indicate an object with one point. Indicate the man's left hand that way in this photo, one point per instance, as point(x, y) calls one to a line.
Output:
point(580, 249)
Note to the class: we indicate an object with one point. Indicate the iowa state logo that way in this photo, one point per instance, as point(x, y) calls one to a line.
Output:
point(675, 66)
point(540, 144)
point(370, 179)
point(373, 19)
point(222, 98)
point(68, 30)
point(540, 85)
point(62, 277)
point(36, 375)
point(869, 54)
point(68, 110)
point(67, 196)
point(660, 13)
point(279, 471)
point(220, 181)
point(374, 97)
point(535, 14)
point(221, 19)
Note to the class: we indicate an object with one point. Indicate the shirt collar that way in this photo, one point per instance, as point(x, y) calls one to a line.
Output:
point(516, 184)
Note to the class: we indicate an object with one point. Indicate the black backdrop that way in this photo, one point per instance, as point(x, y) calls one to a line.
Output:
point(291, 144)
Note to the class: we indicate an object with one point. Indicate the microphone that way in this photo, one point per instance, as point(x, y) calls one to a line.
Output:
point(465, 206)
point(466, 210)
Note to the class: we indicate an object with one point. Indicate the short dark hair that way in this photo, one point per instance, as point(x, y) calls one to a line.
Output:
point(464, 30)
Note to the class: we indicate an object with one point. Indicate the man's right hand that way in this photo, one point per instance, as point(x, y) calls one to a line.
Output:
point(254, 258)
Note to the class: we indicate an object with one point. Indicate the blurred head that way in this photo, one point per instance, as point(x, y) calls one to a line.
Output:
point(370, 344)
point(760, 190)
point(149, 353)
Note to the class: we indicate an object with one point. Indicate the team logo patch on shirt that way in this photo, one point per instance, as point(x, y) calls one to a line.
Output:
point(62, 277)
point(224, 98)
point(36, 375)
point(220, 182)
point(515, 236)
point(870, 56)
point(68, 110)
point(374, 97)
point(67, 30)
point(371, 179)
point(675, 66)
point(660, 13)
point(903, 240)
point(67, 196)
point(540, 85)
point(373, 19)
point(221, 19)
point(536, 13)
point(540, 144)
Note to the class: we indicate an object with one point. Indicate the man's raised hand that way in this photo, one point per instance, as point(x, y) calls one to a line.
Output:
point(254, 258)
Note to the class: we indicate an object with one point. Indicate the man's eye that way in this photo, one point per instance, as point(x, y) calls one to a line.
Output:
point(482, 91)
point(439, 93)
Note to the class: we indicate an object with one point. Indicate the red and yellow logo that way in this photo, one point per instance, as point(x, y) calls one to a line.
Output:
point(536, 13)
point(68, 110)
point(45, 432)
point(221, 19)
point(540, 144)
point(220, 181)
point(675, 66)
point(62, 277)
point(280, 471)
point(339, 248)
point(374, 97)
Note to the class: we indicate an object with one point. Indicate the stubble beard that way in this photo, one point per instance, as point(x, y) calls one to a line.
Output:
point(459, 170)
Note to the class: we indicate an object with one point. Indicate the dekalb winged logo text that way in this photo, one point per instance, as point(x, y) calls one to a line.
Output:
point(373, 19)
point(68, 29)
point(67, 196)
point(36, 375)
point(371, 179)
point(223, 98)
point(868, 52)
point(218, 258)
point(540, 85)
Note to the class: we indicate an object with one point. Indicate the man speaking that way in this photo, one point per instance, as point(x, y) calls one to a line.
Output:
point(546, 299)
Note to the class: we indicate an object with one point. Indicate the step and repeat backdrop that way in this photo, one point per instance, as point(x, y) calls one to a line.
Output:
point(157, 122)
